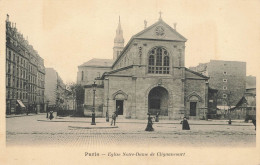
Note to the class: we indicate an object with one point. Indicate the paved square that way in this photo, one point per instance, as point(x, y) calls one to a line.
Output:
point(37, 130)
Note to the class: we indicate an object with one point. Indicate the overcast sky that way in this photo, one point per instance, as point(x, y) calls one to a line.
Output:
point(68, 33)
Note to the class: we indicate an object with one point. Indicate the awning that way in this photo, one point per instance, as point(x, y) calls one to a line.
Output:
point(21, 103)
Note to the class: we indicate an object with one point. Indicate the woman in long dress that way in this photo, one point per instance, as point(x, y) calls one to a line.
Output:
point(185, 124)
point(51, 115)
point(150, 123)
point(157, 117)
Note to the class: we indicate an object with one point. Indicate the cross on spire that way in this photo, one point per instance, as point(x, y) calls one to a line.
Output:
point(160, 15)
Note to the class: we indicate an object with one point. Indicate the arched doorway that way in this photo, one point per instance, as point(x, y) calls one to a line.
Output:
point(158, 101)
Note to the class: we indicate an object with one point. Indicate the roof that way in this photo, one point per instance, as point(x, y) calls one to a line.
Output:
point(115, 71)
point(197, 73)
point(98, 62)
point(139, 34)
point(160, 21)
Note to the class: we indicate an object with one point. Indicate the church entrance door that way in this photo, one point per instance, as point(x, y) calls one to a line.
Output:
point(119, 107)
point(193, 108)
point(158, 101)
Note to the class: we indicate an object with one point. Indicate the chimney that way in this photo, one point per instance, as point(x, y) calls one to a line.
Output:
point(7, 17)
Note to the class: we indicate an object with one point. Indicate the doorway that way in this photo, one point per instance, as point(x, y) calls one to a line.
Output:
point(120, 104)
point(158, 101)
point(193, 106)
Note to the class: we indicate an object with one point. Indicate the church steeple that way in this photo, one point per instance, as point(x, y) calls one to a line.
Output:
point(118, 41)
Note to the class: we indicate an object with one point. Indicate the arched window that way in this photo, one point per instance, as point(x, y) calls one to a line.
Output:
point(159, 61)
point(151, 60)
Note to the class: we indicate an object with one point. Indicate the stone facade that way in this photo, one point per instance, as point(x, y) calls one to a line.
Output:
point(54, 89)
point(149, 75)
point(228, 77)
point(25, 73)
point(92, 69)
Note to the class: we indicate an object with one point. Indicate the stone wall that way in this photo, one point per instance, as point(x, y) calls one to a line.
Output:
point(196, 91)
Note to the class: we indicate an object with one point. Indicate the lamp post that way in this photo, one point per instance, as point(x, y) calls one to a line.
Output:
point(107, 117)
point(229, 109)
point(47, 108)
point(93, 110)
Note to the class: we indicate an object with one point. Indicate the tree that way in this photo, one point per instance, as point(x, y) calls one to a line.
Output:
point(77, 92)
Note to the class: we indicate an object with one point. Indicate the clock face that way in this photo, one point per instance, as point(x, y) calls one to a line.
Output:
point(159, 31)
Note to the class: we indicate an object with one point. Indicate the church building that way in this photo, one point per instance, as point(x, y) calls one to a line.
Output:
point(146, 75)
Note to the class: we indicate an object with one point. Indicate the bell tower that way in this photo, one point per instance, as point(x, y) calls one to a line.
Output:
point(118, 41)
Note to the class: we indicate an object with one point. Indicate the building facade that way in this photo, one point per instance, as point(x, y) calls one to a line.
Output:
point(55, 89)
point(88, 71)
point(228, 77)
point(149, 76)
point(25, 73)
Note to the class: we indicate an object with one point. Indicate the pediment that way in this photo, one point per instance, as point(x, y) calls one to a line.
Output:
point(160, 31)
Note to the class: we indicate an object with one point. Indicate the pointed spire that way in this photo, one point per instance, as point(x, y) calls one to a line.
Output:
point(118, 41)
point(119, 33)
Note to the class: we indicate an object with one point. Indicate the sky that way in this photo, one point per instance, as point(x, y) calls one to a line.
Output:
point(67, 33)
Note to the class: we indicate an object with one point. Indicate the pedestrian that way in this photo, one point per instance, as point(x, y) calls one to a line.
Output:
point(254, 122)
point(185, 124)
point(117, 110)
point(149, 126)
point(51, 115)
point(113, 119)
point(47, 115)
point(157, 117)
point(27, 111)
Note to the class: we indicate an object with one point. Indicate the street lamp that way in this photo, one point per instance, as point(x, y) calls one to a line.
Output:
point(93, 110)
point(47, 107)
point(107, 117)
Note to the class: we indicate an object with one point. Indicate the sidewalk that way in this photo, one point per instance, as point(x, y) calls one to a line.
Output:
point(24, 114)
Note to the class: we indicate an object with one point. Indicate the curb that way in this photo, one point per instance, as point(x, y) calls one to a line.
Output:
point(93, 127)
point(20, 115)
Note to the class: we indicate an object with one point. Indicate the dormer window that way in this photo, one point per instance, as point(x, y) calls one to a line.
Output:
point(159, 62)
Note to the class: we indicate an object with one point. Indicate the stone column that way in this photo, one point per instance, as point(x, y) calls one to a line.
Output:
point(133, 104)
point(206, 99)
point(182, 108)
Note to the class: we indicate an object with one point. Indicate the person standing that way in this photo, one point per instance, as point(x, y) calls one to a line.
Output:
point(117, 110)
point(149, 126)
point(254, 122)
point(47, 114)
point(185, 124)
point(113, 119)
point(51, 115)
point(157, 117)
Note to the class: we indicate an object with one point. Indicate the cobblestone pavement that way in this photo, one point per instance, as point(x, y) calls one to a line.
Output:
point(37, 130)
